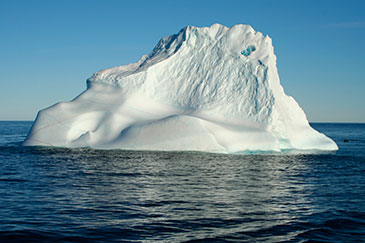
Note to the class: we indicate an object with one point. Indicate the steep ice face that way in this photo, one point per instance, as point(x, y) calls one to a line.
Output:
point(212, 89)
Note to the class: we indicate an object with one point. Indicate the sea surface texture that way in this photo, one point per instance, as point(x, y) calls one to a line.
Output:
point(85, 195)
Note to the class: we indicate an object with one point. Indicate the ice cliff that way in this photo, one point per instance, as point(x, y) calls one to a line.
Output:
point(212, 89)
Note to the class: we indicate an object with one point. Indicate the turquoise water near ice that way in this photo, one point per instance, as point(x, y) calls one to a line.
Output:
point(85, 195)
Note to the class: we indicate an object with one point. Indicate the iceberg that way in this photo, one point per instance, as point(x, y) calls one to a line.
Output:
point(212, 89)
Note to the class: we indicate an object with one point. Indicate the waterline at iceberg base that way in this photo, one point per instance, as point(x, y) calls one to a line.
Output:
point(213, 89)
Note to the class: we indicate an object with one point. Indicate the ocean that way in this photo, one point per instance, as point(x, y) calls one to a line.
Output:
point(86, 195)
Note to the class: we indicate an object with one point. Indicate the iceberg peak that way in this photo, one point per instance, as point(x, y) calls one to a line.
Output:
point(212, 89)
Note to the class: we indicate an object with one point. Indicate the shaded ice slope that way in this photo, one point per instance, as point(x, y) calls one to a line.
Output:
point(212, 89)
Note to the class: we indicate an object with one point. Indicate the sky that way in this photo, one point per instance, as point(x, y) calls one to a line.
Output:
point(49, 48)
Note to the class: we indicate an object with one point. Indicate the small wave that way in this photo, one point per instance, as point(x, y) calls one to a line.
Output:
point(12, 180)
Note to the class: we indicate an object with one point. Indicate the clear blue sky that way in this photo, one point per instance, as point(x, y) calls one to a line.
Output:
point(49, 48)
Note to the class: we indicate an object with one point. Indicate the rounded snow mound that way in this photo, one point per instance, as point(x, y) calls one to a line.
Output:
point(213, 89)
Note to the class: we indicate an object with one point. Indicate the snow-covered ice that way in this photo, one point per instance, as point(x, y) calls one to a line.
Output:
point(213, 89)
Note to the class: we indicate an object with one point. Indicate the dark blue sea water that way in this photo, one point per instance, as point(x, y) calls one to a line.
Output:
point(86, 195)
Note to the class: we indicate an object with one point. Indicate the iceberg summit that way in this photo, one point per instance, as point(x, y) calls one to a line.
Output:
point(213, 89)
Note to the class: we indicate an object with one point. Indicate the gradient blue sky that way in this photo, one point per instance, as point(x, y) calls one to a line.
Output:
point(49, 48)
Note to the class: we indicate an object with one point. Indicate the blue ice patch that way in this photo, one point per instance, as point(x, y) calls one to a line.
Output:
point(249, 50)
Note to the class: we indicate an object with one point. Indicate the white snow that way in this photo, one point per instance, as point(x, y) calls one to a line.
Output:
point(213, 89)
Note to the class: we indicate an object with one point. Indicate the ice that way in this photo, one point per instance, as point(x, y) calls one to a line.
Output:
point(248, 50)
point(194, 91)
